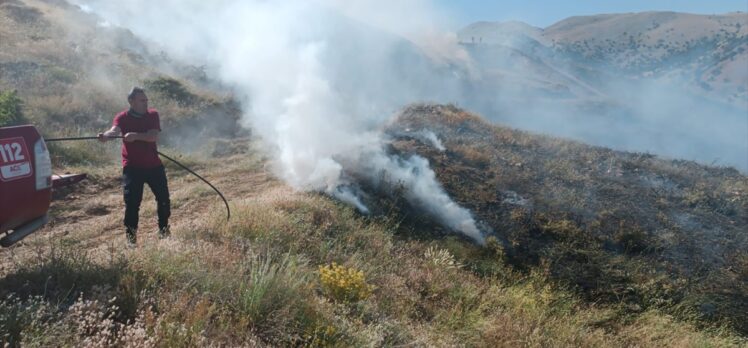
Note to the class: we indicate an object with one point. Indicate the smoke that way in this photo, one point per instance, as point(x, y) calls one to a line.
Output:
point(320, 78)
point(423, 191)
point(431, 138)
point(655, 107)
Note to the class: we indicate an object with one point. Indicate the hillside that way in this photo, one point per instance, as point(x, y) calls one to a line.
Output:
point(586, 247)
point(601, 221)
point(72, 72)
point(260, 279)
point(708, 51)
point(656, 82)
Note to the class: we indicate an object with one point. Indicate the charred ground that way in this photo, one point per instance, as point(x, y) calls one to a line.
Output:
point(618, 227)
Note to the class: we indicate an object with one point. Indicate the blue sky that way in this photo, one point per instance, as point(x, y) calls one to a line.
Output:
point(543, 13)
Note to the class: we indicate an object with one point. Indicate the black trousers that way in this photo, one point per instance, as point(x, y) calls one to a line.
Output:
point(133, 180)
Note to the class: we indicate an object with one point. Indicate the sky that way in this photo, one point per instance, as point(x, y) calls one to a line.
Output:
point(543, 13)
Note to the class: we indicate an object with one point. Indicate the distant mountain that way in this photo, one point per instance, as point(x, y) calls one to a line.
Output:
point(710, 52)
point(500, 32)
point(671, 83)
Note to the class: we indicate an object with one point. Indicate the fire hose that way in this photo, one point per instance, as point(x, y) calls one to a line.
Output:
point(228, 211)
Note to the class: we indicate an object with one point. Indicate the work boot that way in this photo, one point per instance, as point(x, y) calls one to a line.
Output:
point(131, 236)
point(164, 232)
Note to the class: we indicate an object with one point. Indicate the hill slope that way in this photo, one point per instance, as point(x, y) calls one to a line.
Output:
point(603, 221)
point(73, 72)
point(264, 278)
point(707, 51)
point(590, 247)
point(655, 82)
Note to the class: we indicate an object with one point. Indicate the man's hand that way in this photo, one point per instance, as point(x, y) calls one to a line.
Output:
point(106, 136)
point(130, 137)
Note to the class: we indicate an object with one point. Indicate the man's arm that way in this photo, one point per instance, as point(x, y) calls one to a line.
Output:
point(114, 131)
point(150, 136)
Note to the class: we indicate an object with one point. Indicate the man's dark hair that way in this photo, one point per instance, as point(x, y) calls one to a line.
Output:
point(135, 91)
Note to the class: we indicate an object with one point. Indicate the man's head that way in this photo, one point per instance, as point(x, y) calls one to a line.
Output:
point(138, 100)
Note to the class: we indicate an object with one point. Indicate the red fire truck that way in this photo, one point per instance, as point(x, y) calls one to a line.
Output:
point(26, 183)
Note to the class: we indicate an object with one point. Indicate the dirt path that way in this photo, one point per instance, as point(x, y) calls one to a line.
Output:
point(89, 214)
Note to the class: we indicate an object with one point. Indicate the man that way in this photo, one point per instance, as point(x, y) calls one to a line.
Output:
point(141, 165)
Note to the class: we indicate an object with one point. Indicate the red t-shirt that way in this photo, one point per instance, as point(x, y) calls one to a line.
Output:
point(138, 154)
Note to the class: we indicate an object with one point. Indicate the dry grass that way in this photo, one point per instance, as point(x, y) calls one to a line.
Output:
point(254, 281)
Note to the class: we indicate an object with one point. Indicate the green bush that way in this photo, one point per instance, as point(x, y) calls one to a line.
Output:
point(10, 109)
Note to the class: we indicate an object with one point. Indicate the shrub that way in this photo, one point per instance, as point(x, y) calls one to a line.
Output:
point(10, 109)
point(171, 88)
point(441, 258)
point(344, 284)
point(21, 319)
point(269, 285)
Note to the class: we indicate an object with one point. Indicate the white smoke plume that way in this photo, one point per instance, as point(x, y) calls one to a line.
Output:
point(320, 78)
point(431, 138)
